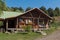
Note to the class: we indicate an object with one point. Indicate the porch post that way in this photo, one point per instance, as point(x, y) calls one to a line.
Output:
point(38, 21)
point(47, 26)
point(38, 25)
point(33, 24)
point(16, 23)
point(6, 25)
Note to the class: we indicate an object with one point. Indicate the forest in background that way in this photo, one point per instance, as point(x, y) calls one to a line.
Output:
point(50, 11)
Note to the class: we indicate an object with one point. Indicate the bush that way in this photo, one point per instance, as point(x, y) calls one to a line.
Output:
point(28, 28)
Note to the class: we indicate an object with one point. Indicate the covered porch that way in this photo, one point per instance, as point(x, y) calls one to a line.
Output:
point(36, 23)
point(17, 24)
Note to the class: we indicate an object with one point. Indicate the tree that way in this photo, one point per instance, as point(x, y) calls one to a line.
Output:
point(43, 9)
point(57, 11)
point(13, 8)
point(28, 8)
point(51, 12)
point(3, 5)
point(21, 9)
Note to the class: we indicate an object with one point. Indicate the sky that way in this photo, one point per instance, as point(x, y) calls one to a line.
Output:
point(33, 3)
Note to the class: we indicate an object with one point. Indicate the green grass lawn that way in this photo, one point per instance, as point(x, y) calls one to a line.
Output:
point(19, 36)
point(22, 36)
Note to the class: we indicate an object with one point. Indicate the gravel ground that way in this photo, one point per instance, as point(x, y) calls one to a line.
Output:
point(54, 36)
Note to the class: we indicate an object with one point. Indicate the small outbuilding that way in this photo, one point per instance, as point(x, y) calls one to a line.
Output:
point(36, 18)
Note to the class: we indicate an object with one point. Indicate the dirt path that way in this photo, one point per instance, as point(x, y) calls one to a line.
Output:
point(53, 36)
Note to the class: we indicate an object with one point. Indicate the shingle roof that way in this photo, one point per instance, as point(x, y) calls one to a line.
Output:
point(7, 14)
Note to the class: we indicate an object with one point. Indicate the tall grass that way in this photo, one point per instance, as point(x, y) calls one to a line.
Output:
point(53, 26)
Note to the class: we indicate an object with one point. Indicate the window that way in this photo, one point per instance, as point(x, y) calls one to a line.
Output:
point(28, 21)
point(21, 20)
point(41, 21)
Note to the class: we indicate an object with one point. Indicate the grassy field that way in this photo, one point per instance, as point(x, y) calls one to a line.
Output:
point(54, 26)
point(19, 36)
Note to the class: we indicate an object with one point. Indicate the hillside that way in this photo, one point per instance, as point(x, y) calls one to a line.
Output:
point(57, 19)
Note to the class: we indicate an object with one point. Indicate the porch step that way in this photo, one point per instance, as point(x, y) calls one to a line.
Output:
point(14, 29)
point(42, 32)
point(11, 28)
point(20, 29)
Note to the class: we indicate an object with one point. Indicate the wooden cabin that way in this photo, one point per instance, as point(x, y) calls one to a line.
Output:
point(36, 18)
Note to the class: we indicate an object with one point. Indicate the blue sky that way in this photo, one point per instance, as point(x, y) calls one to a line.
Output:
point(33, 3)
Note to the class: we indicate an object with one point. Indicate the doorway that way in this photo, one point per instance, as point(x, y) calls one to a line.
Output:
point(12, 23)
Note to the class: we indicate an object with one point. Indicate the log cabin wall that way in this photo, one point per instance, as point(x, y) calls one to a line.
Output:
point(35, 16)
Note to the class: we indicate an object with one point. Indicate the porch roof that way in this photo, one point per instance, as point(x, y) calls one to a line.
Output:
point(8, 14)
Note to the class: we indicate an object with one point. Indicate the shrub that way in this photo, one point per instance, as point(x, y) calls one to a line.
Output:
point(28, 28)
